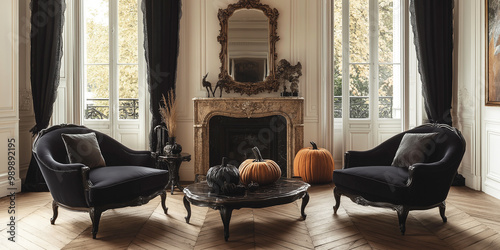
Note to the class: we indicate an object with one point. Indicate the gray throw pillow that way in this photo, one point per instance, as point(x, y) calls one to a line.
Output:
point(83, 148)
point(414, 148)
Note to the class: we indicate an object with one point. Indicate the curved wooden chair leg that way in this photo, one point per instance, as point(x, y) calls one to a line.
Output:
point(95, 216)
point(163, 199)
point(55, 212)
point(442, 209)
point(402, 215)
point(337, 195)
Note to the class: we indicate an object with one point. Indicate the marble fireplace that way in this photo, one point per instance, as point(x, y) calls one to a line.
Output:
point(284, 111)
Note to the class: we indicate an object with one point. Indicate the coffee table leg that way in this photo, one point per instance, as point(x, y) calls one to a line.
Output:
point(188, 208)
point(179, 186)
point(305, 200)
point(225, 214)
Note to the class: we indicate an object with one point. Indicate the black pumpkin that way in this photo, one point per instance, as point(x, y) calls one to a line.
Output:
point(220, 175)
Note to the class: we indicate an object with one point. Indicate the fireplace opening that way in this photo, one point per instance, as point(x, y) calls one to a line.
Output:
point(234, 138)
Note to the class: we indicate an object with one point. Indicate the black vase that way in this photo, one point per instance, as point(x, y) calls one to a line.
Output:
point(161, 138)
point(172, 148)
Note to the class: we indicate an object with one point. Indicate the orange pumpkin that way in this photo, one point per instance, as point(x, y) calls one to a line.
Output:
point(313, 164)
point(258, 170)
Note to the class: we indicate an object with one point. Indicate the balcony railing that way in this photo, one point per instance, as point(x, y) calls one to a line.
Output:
point(98, 108)
point(360, 108)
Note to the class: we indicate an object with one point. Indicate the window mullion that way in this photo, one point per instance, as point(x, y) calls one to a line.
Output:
point(374, 69)
point(113, 59)
point(346, 99)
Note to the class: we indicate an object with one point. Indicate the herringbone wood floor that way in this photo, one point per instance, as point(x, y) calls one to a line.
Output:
point(473, 223)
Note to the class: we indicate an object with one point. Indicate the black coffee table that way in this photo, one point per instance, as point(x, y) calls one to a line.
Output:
point(281, 192)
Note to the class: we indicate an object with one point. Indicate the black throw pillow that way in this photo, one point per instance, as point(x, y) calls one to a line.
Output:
point(83, 148)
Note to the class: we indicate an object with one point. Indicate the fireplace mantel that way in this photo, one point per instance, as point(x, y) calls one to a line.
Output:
point(291, 108)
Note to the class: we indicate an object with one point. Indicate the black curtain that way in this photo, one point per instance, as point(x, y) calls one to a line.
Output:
point(47, 20)
point(432, 22)
point(161, 32)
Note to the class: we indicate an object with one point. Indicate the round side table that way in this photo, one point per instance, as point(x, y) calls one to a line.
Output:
point(173, 163)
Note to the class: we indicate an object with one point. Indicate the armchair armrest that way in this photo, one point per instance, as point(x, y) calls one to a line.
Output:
point(116, 154)
point(430, 182)
point(374, 157)
point(426, 172)
point(65, 182)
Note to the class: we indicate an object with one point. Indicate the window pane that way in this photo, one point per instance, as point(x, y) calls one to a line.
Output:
point(359, 30)
point(389, 31)
point(128, 31)
point(359, 80)
point(389, 91)
point(359, 91)
point(386, 80)
point(385, 39)
point(128, 91)
point(359, 107)
point(96, 92)
point(96, 16)
point(337, 107)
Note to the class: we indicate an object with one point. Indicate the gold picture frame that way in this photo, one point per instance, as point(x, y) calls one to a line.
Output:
point(492, 95)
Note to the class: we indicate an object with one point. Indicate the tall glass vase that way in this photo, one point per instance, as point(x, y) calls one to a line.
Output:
point(172, 148)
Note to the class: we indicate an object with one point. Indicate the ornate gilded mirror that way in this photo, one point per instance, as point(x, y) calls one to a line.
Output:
point(248, 47)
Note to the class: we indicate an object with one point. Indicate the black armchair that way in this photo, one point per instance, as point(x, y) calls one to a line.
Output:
point(128, 179)
point(369, 179)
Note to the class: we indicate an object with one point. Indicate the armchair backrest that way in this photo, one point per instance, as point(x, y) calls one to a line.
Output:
point(448, 145)
point(50, 146)
point(449, 141)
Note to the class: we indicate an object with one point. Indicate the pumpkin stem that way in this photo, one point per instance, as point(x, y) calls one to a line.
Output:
point(224, 161)
point(258, 156)
point(315, 147)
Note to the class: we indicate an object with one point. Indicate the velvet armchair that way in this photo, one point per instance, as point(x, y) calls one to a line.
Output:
point(376, 177)
point(127, 179)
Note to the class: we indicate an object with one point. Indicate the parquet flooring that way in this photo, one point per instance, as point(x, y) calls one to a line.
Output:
point(473, 223)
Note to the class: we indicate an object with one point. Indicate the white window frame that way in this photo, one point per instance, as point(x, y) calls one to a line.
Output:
point(113, 57)
point(68, 107)
point(373, 63)
point(334, 129)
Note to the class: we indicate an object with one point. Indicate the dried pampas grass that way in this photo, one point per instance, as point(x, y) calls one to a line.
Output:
point(168, 113)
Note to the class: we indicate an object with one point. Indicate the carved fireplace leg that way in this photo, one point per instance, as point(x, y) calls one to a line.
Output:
point(336, 194)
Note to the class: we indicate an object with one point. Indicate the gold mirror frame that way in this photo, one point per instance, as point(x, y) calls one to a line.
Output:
point(270, 83)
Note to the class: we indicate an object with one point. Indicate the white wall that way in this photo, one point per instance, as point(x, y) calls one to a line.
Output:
point(490, 116)
point(299, 28)
point(468, 77)
point(479, 124)
point(9, 109)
